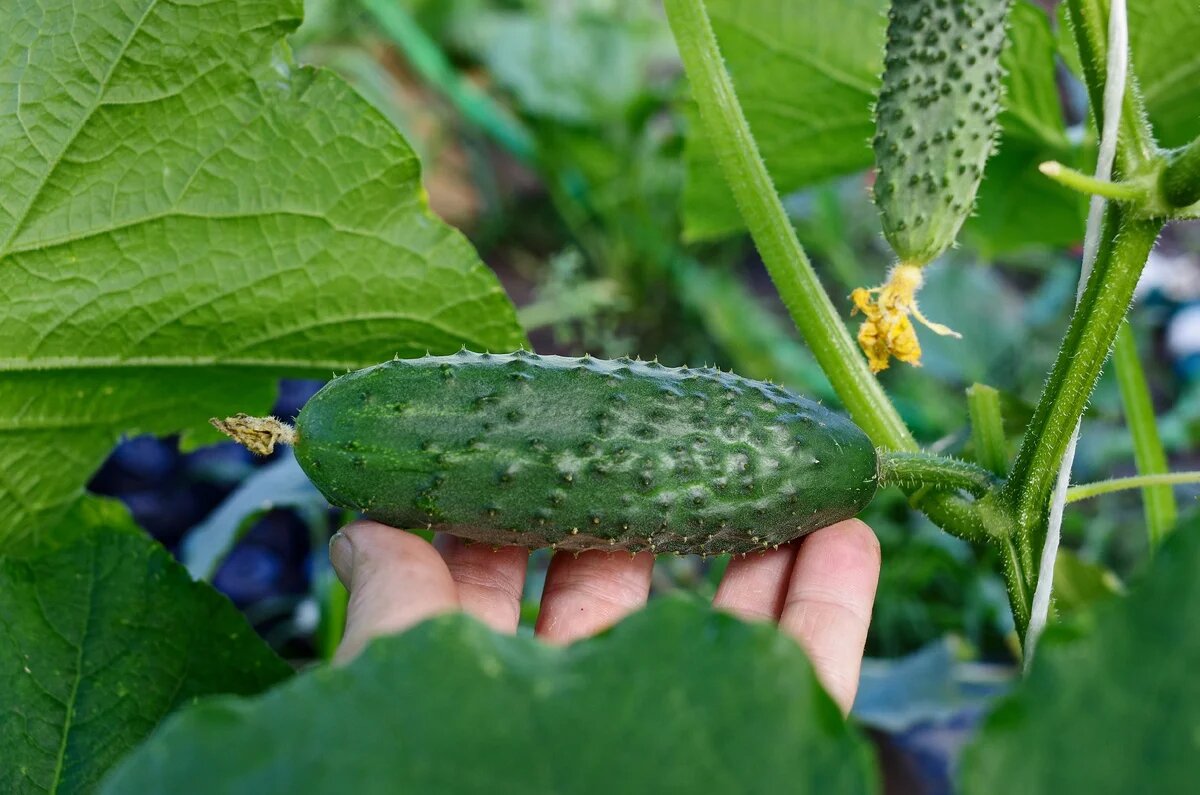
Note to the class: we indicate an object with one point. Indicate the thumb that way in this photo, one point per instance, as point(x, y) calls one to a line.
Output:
point(395, 580)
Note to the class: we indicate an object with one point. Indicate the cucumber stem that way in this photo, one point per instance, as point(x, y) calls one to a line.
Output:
point(1085, 491)
point(1089, 185)
point(913, 469)
point(259, 435)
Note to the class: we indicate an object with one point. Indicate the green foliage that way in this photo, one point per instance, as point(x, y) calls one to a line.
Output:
point(103, 634)
point(186, 216)
point(1112, 704)
point(550, 58)
point(1162, 42)
point(676, 698)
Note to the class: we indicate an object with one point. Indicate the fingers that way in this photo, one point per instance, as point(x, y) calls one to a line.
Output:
point(828, 604)
point(754, 587)
point(395, 579)
point(490, 581)
point(588, 593)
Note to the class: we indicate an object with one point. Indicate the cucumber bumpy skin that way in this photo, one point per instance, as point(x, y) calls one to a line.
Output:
point(576, 454)
point(936, 119)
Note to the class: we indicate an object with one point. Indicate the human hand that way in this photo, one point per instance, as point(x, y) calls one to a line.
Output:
point(819, 589)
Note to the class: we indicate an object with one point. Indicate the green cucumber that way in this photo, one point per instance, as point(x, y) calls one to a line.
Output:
point(575, 454)
point(936, 119)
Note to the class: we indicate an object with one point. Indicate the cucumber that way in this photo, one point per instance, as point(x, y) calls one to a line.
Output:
point(547, 451)
point(936, 119)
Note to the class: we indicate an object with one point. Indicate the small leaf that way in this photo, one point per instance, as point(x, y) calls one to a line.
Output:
point(1112, 704)
point(102, 634)
point(676, 698)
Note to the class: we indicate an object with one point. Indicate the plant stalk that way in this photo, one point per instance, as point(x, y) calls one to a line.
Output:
point(987, 428)
point(1125, 245)
point(744, 171)
point(913, 470)
point(1089, 185)
point(1089, 23)
point(1158, 501)
point(1085, 491)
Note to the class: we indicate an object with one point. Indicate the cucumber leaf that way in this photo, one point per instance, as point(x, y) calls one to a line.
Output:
point(1112, 704)
point(101, 635)
point(676, 698)
point(186, 216)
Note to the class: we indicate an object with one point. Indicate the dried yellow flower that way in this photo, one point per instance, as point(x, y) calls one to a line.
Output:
point(886, 330)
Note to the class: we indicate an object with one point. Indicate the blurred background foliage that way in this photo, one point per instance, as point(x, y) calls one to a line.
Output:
point(557, 135)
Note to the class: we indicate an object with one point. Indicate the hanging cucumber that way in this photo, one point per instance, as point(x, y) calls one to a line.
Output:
point(547, 451)
point(935, 127)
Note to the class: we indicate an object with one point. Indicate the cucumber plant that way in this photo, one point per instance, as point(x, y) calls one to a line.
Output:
point(1146, 195)
point(153, 279)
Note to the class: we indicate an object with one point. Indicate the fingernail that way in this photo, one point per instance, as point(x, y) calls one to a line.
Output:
point(341, 555)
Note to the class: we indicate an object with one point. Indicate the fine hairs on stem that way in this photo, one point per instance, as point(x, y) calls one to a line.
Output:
point(1116, 70)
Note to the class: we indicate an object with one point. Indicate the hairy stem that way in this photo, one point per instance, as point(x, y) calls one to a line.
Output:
point(1086, 491)
point(1157, 500)
point(1125, 246)
point(1089, 23)
point(1084, 183)
point(987, 428)
point(814, 314)
point(912, 470)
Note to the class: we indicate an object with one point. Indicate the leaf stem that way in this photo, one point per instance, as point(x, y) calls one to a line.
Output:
point(1083, 183)
point(1085, 491)
point(726, 127)
point(909, 469)
point(987, 428)
point(1158, 500)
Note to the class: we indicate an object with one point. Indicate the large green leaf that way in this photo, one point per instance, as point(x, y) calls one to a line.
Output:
point(1112, 704)
point(807, 76)
point(185, 216)
point(676, 698)
point(101, 635)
